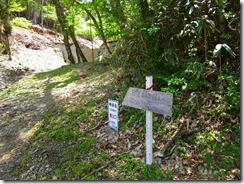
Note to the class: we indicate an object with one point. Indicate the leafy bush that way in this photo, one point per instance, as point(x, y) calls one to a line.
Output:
point(86, 31)
point(1, 48)
point(21, 22)
point(231, 92)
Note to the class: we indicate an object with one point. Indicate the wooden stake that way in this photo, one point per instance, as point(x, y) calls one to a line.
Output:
point(149, 126)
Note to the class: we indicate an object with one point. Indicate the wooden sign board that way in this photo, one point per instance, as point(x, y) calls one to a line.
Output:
point(155, 101)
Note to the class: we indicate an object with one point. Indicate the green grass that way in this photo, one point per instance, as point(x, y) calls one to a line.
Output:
point(83, 153)
point(60, 77)
point(35, 84)
point(221, 155)
point(128, 168)
point(85, 158)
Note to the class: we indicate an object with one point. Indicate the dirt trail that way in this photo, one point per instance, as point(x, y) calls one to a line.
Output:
point(31, 52)
point(20, 114)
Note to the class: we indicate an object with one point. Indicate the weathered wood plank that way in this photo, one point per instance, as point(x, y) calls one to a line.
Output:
point(155, 101)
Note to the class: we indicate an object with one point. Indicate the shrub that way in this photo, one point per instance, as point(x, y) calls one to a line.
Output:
point(21, 22)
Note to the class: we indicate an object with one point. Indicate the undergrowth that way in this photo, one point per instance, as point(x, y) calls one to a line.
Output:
point(209, 139)
point(206, 97)
point(21, 22)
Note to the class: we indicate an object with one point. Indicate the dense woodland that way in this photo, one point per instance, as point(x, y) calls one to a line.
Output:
point(190, 47)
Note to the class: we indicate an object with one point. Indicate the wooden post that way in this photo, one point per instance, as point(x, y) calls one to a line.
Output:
point(149, 126)
point(150, 101)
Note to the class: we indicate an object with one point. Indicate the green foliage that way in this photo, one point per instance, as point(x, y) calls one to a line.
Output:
point(7, 28)
point(16, 7)
point(155, 173)
point(49, 12)
point(218, 50)
point(231, 94)
point(171, 44)
point(1, 48)
point(191, 76)
point(21, 22)
point(205, 23)
point(219, 153)
point(136, 170)
point(86, 30)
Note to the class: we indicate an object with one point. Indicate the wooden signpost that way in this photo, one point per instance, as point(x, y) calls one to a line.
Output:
point(155, 101)
point(151, 101)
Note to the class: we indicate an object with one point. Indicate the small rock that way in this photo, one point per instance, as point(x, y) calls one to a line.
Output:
point(55, 177)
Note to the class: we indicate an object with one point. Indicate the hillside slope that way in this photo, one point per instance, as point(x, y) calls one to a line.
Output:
point(54, 127)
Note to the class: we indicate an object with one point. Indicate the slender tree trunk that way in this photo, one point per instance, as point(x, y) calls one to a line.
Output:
point(102, 32)
point(41, 13)
point(7, 30)
point(99, 28)
point(62, 21)
point(79, 52)
point(78, 49)
point(34, 12)
point(144, 9)
point(1, 23)
point(1, 29)
point(222, 22)
point(8, 50)
point(27, 10)
point(205, 44)
point(67, 46)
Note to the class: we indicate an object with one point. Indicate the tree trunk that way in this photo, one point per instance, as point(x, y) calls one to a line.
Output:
point(144, 9)
point(1, 32)
point(205, 44)
point(222, 22)
point(41, 13)
point(78, 49)
point(67, 46)
point(7, 31)
point(1, 23)
point(8, 50)
point(102, 32)
point(62, 21)
point(99, 28)
point(34, 12)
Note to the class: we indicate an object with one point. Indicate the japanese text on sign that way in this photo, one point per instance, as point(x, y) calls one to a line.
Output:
point(113, 111)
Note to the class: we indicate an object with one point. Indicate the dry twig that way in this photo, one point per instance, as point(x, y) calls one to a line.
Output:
point(98, 169)
point(172, 139)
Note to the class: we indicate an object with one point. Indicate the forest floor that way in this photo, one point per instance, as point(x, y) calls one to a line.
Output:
point(53, 122)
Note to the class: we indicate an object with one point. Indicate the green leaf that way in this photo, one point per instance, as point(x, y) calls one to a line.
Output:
point(217, 50)
point(191, 10)
point(200, 27)
point(229, 50)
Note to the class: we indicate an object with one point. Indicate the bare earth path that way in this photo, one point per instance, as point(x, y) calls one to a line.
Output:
point(20, 114)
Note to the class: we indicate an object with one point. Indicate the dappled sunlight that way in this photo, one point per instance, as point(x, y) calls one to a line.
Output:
point(5, 158)
point(24, 134)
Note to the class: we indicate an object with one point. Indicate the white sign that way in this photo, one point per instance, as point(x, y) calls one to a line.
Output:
point(113, 114)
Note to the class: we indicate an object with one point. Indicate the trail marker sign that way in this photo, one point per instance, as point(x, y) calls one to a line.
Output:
point(113, 114)
point(151, 101)
point(155, 101)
